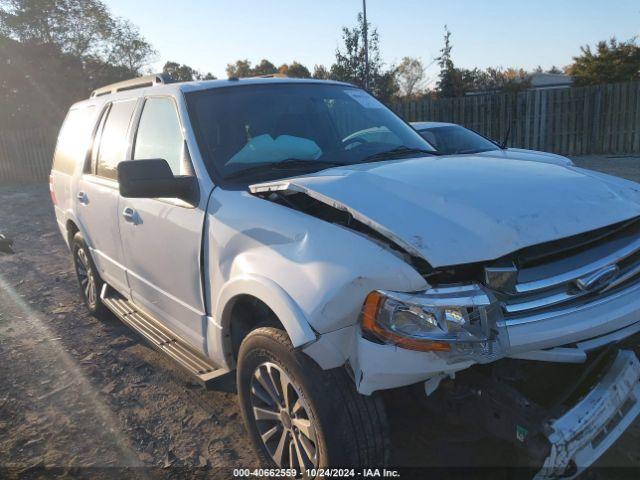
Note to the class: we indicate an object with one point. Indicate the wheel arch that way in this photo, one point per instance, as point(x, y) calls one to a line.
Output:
point(73, 226)
point(72, 229)
point(266, 292)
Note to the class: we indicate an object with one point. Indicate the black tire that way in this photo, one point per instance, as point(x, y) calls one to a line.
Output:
point(350, 429)
point(88, 278)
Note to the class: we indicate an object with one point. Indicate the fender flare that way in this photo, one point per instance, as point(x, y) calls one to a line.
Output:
point(69, 216)
point(275, 297)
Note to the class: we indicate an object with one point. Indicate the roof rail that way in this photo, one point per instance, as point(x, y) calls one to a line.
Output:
point(271, 75)
point(138, 82)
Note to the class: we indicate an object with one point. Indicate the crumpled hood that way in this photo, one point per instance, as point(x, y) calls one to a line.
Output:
point(456, 210)
point(530, 155)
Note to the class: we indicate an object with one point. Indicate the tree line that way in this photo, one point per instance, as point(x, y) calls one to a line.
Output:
point(55, 52)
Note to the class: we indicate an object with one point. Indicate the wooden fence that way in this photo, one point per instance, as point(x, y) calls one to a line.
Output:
point(570, 121)
point(25, 155)
point(575, 121)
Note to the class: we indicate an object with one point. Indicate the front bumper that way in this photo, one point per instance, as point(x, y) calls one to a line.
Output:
point(589, 428)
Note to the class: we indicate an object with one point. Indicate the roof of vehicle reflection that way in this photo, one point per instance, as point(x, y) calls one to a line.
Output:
point(425, 125)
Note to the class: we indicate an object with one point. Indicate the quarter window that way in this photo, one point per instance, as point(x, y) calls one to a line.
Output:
point(113, 142)
point(74, 139)
point(159, 134)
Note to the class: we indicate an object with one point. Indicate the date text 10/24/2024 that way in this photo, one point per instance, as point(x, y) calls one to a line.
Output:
point(319, 472)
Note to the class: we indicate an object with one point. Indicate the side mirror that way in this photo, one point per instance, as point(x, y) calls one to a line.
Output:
point(154, 179)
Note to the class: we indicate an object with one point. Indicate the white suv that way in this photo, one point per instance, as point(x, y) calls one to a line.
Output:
point(300, 233)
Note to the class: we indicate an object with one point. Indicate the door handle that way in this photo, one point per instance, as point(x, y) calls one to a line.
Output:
point(82, 198)
point(129, 215)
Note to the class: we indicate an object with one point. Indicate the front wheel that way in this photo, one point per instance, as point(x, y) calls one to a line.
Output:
point(300, 416)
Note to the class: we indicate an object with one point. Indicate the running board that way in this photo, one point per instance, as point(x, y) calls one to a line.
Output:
point(163, 339)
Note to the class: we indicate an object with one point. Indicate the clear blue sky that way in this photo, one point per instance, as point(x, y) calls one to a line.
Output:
point(209, 34)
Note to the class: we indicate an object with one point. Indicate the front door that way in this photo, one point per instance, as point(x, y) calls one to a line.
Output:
point(161, 237)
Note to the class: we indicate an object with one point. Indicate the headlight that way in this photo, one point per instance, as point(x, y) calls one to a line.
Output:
point(439, 319)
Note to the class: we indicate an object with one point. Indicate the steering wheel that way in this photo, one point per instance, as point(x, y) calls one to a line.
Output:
point(353, 141)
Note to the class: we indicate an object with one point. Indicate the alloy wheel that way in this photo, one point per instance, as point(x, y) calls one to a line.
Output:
point(86, 277)
point(282, 419)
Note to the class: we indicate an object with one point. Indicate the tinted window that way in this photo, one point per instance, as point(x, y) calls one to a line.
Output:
point(452, 139)
point(113, 142)
point(159, 134)
point(249, 130)
point(74, 139)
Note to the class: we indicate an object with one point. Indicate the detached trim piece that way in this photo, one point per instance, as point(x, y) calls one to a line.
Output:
point(587, 430)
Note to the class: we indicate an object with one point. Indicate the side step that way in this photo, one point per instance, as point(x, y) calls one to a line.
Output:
point(163, 339)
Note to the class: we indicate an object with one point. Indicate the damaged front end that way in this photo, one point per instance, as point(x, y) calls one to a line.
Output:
point(552, 332)
point(560, 417)
point(527, 344)
point(459, 323)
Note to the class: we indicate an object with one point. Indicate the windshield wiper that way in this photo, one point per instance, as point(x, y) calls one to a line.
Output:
point(298, 162)
point(397, 152)
point(288, 164)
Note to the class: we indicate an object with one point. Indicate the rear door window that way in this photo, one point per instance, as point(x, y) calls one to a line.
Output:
point(160, 134)
point(113, 141)
point(74, 139)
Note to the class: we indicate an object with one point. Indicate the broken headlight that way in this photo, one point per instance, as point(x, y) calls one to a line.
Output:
point(453, 319)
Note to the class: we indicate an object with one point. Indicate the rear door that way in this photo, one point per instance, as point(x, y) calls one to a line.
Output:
point(97, 194)
point(73, 143)
point(161, 238)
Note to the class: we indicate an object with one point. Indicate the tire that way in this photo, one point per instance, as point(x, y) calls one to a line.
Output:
point(331, 424)
point(88, 278)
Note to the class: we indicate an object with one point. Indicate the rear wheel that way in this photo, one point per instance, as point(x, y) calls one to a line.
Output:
point(88, 278)
point(300, 416)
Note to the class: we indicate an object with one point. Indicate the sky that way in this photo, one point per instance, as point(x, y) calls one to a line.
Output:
point(209, 34)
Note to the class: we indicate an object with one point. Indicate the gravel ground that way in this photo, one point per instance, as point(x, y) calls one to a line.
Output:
point(78, 392)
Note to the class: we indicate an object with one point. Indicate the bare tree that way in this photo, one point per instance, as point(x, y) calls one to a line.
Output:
point(410, 76)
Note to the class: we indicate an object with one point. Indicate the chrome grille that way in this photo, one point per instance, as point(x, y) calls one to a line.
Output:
point(581, 276)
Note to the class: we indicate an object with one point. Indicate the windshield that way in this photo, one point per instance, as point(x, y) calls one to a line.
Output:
point(452, 139)
point(261, 132)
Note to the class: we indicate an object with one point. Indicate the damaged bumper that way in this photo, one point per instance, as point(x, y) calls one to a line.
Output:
point(586, 431)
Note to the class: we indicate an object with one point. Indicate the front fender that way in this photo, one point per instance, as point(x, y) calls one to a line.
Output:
point(272, 295)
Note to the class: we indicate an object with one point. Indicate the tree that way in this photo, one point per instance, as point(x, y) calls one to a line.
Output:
point(452, 80)
point(265, 67)
point(184, 73)
point(350, 62)
point(294, 70)
point(129, 49)
point(456, 82)
point(410, 75)
point(84, 28)
point(59, 51)
point(499, 79)
point(321, 72)
point(242, 68)
point(611, 61)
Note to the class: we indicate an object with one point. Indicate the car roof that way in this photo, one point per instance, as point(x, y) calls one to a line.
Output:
point(235, 82)
point(426, 125)
point(174, 88)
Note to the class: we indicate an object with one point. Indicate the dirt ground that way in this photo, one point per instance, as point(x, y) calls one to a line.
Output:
point(78, 392)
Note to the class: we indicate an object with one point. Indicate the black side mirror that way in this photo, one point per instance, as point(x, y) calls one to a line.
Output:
point(154, 179)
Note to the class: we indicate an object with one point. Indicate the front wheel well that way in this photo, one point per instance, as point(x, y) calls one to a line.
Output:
point(248, 313)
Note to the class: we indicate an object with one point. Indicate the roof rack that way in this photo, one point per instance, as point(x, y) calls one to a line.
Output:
point(138, 82)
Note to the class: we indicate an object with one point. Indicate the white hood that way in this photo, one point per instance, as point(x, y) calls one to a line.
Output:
point(455, 210)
